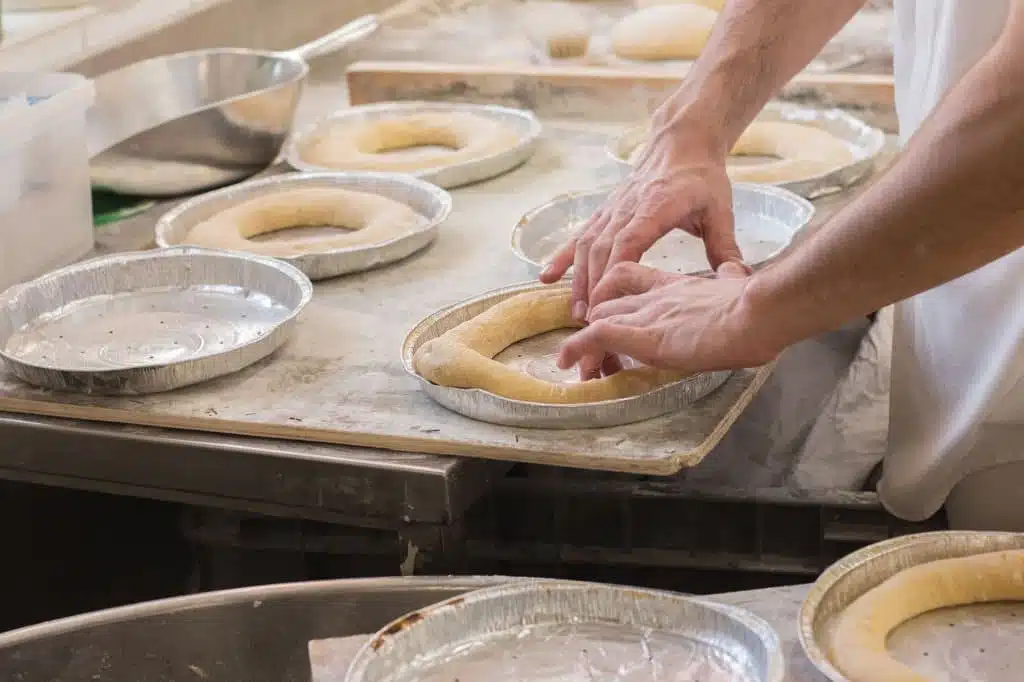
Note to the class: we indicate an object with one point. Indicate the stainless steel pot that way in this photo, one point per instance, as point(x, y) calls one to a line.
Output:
point(254, 634)
point(187, 122)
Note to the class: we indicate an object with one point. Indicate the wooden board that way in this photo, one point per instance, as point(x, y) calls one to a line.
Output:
point(577, 92)
point(340, 379)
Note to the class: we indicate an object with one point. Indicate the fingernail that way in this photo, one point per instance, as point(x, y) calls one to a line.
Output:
point(579, 311)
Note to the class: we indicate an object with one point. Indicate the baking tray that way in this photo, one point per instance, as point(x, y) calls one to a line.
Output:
point(537, 356)
point(430, 201)
point(767, 220)
point(942, 643)
point(558, 630)
point(866, 142)
point(149, 321)
point(449, 176)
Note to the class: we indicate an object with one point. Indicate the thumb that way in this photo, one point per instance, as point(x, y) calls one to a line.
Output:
point(733, 269)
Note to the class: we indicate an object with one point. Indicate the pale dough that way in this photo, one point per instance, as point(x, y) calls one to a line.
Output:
point(463, 356)
point(357, 145)
point(859, 641)
point(717, 5)
point(804, 152)
point(371, 219)
point(663, 32)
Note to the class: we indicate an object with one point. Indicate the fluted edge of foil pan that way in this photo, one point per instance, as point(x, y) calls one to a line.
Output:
point(866, 142)
point(449, 176)
point(488, 407)
point(430, 201)
point(852, 576)
point(106, 274)
point(788, 208)
point(747, 639)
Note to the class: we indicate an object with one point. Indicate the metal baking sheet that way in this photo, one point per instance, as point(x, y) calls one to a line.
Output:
point(450, 176)
point(559, 630)
point(866, 143)
point(150, 321)
point(430, 201)
point(960, 644)
point(537, 356)
point(767, 220)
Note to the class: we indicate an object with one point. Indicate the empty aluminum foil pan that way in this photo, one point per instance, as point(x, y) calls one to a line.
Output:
point(448, 176)
point(537, 356)
point(546, 630)
point(767, 220)
point(430, 201)
point(864, 141)
point(150, 321)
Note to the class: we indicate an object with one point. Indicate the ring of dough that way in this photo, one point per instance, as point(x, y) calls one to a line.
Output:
point(463, 356)
point(663, 32)
point(859, 640)
point(357, 145)
point(717, 5)
point(803, 152)
point(371, 219)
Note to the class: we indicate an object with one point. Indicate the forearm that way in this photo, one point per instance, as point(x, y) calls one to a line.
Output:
point(756, 47)
point(953, 202)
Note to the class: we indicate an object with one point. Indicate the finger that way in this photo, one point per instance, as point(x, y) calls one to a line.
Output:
point(590, 367)
point(733, 270)
point(624, 279)
point(611, 365)
point(579, 280)
point(598, 260)
point(603, 338)
point(560, 264)
point(597, 265)
point(719, 233)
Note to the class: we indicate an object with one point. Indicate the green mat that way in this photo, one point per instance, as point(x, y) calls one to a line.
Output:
point(109, 207)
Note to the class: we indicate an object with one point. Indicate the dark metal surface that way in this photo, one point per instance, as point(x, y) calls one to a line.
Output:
point(357, 486)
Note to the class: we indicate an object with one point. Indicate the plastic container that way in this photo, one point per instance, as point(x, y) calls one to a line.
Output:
point(45, 197)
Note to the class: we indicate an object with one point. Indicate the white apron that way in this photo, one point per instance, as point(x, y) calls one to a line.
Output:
point(957, 399)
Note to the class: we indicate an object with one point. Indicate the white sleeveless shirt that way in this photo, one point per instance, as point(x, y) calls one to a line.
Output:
point(957, 402)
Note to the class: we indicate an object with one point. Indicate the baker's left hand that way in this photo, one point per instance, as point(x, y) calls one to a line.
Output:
point(670, 321)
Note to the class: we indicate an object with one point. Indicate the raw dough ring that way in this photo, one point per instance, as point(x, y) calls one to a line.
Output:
point(352, 145)
point(463, 356)
point(804, 151)
point(372, 219)
point(859, 641)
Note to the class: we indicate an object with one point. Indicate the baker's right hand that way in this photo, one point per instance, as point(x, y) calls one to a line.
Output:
point(677, 183)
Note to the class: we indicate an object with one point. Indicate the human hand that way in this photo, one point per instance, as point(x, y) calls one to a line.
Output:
point(671, 321)
point(678, 182)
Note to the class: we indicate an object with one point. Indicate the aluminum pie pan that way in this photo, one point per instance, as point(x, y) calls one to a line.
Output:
point(866, 143)
point(150, 321)
point(430, 201)
point(767, 220)
point(523, 629)
point(449, 176)
point(489, 407)
point(857, 573)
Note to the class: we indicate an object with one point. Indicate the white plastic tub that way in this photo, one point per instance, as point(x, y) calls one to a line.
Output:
point(45, 199)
